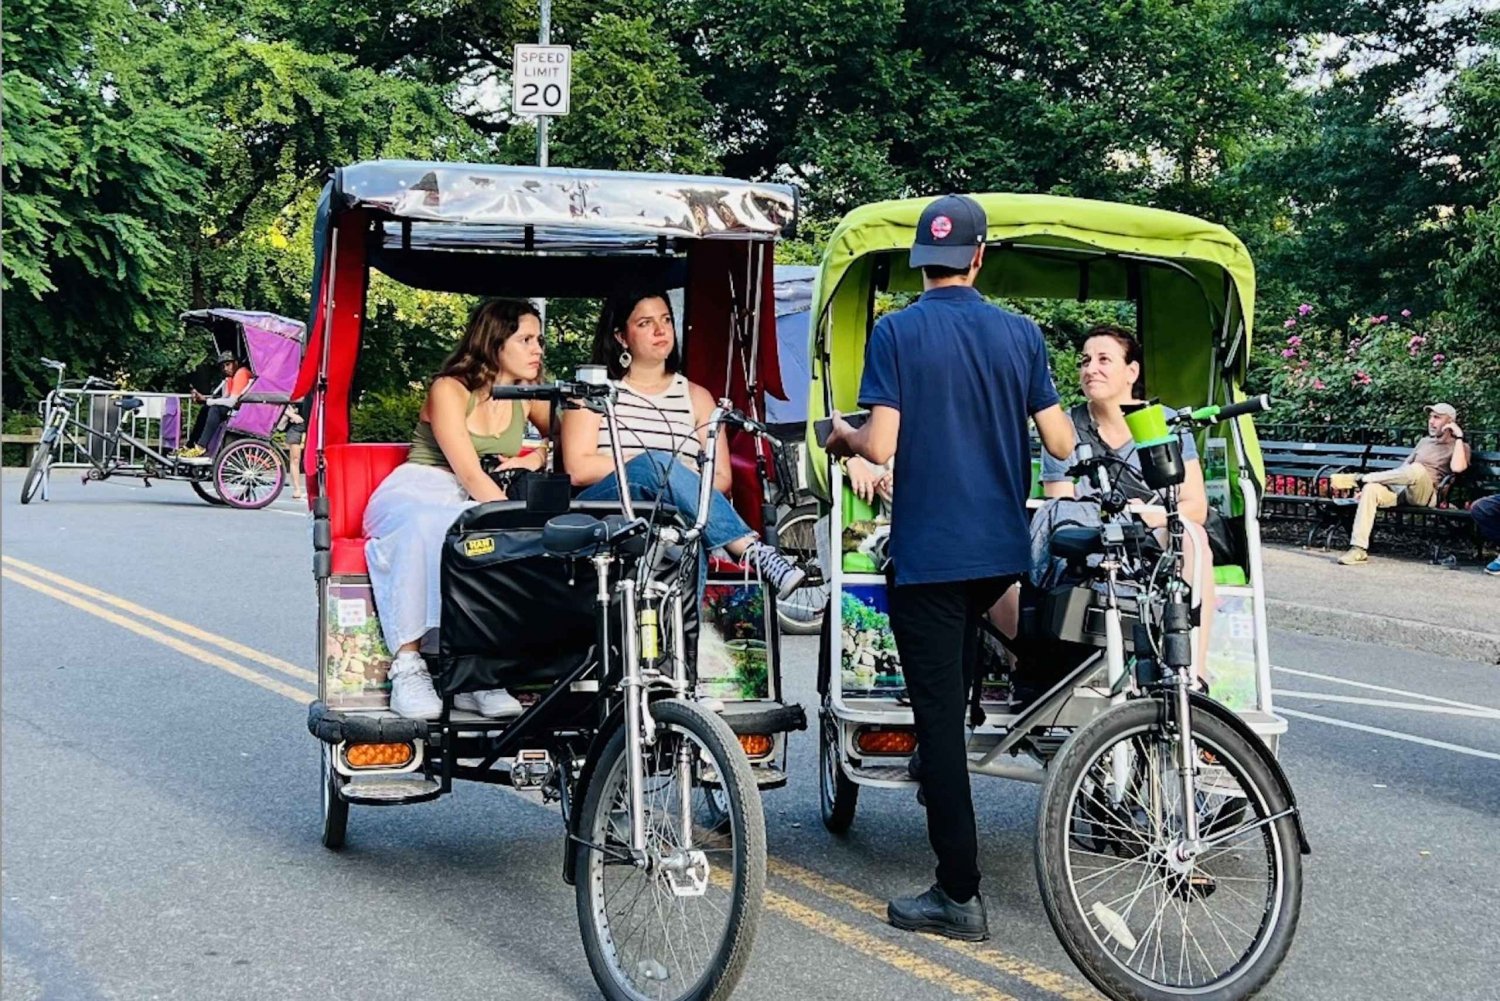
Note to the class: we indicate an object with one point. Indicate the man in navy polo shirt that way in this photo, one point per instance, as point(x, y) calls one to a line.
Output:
point(950, 382)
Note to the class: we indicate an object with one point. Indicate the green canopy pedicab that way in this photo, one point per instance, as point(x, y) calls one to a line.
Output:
point(1169, 842)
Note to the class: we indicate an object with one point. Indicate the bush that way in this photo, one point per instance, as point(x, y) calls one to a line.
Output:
point(387, 416)
point(1375, 371)
point(18, 422)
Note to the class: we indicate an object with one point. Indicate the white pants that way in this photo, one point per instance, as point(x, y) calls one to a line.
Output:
point(406, 521)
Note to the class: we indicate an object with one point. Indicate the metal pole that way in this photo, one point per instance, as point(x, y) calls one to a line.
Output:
point(544, 36)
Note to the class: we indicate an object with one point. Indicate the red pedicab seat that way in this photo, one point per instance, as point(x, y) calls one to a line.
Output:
point(353, 472)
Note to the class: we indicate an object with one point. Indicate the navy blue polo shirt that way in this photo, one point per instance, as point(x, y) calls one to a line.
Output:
point(966, 376)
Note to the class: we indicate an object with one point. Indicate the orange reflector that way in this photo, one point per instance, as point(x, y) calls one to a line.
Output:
point(756, 745)
point(873, 740)
point(377, 755)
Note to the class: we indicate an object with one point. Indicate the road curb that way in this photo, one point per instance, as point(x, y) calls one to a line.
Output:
point(1426, 637)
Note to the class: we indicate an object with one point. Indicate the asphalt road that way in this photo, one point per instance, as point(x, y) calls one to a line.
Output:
point(160, 810)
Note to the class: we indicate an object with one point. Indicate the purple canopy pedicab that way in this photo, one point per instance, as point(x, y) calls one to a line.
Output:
point(239, 466)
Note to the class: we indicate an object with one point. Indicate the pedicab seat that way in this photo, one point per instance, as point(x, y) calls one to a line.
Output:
point(353, 472)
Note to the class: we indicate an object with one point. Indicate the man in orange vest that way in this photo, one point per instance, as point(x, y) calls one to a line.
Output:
point(217, 408)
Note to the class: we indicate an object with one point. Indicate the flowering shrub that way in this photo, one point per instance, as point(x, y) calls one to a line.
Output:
point(1374, 370)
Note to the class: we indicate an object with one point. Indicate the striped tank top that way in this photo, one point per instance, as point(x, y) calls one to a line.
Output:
point(658, 421)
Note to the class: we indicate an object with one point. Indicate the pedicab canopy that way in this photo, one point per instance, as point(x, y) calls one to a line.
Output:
point(533, 232)
point(1192, 282)
point(271, 345)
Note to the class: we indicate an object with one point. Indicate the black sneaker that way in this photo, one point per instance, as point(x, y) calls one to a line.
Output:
point(778, 571)
point(935, 911)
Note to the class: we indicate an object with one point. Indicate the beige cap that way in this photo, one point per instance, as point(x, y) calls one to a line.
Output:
point(1446, 409)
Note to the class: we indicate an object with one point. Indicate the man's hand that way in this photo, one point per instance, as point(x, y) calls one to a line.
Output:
point(838, 438)
point(1453, 430)
point(198, 397)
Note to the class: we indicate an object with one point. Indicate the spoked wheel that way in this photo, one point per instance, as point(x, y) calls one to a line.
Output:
point(205, 490)
point(677, 924)
point(41, 465)
point(801, 612)
point(249, 474)
point(838, 795)
point(335, 807)
point(1144, 916)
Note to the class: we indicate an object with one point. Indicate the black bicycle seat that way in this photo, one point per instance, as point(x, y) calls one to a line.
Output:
point(130, 403)
point(574, 535)
point(1076, 543)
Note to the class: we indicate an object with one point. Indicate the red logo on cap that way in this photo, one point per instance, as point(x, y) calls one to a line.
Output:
point(941, 227)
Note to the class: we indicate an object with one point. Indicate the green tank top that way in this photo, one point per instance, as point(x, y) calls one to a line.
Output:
point(425, 450)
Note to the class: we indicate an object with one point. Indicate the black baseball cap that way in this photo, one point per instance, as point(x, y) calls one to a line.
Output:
point(949, 230)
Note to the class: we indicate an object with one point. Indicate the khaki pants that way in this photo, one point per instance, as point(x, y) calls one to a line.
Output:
point(1411, 484)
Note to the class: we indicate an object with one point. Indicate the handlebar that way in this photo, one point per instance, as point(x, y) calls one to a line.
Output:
point(559, 391)
point(53, 363)
point(1212, 415)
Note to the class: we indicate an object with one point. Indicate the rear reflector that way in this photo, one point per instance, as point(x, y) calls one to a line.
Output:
point(876, 740)
point(756, 745)
point(377, 755)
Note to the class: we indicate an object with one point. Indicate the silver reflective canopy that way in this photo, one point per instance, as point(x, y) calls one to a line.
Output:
point(615, 203)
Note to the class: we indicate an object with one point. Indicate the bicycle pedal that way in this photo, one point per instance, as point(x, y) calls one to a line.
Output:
point(530, 769)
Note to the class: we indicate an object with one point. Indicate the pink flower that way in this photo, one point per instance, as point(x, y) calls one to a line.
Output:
point(1289, 353)
point(1362, 379)
point(1417, 340)
point(1304, 309)
point(1291, 322)
point(1438, 359)
point(1319, 384)
point(1382, 318)
point(1294, 341)
point(1406, 313)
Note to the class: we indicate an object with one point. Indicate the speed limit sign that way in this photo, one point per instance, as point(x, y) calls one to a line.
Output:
point(542, 79)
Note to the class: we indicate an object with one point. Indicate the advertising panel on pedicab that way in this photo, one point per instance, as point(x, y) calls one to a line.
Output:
point(868, 662)
point(357, 661)
point(1233, 676)
point(733, 650)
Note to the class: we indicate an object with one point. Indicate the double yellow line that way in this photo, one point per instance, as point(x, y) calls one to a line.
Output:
point(134, 618)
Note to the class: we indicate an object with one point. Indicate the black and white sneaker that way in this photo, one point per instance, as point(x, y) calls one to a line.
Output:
point(776, 570)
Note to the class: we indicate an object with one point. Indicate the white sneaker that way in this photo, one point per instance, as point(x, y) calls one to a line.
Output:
point(496, 703)
point(412, 694)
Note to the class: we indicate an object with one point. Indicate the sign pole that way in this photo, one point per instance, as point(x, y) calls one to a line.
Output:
point(544, 37)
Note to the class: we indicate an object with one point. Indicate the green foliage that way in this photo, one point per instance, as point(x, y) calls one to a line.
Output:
point(387, 415)
point(18, 422)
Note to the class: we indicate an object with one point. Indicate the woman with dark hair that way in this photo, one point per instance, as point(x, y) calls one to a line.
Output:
point(662, 418)
point(410, 512)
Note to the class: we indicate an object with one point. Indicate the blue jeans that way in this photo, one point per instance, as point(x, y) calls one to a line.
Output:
point(656, 474)
point(1486, 512)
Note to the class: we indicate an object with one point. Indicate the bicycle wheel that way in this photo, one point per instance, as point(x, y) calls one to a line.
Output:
point(41, 465)
point(679, 923)
point(1142, 923)
point(205, 490)
point(335, 806)
point(249, 474)
point(801, 612)
point(838, 794)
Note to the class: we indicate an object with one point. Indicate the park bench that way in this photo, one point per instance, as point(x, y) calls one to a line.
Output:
point(1299, 484)
point(30, 439)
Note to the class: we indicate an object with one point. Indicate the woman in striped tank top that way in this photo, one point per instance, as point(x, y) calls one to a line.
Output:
point(661, 417)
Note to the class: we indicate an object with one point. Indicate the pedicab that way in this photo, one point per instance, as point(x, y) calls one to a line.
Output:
point(651, 719)
point(1093, 700)
point(241, 465)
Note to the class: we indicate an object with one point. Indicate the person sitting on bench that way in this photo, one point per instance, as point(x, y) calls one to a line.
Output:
point(214, 410)
point(1414, 482)
point(1486, 513)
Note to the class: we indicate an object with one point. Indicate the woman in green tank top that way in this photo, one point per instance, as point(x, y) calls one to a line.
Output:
point(408, 516)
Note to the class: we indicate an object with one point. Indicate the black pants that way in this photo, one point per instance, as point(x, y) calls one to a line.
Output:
point(206, 424)
point(937, 636)
point(1486, 512)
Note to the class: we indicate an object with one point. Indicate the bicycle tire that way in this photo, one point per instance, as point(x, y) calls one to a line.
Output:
point(1057, 843)
point(801, 613)
point(205, 490)
point(335, 806)
point(249, 474)
point(838, 794)
point(745, 866)
point(37, 473)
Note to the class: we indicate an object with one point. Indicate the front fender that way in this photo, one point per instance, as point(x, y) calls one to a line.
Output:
point(1203, 704)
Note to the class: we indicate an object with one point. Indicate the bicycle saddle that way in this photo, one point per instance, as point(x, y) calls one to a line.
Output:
point(130, 403)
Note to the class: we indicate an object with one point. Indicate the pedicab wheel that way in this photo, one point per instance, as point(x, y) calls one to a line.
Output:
point(249, 474)
point(205, 490)
point(40, 464)
point(838, 795)
point(1139, 920)
point(801, 612)
point(679, 923)
point(335, 806)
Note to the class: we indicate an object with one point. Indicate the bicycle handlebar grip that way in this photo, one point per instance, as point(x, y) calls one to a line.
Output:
point(546, 392)
point(1254, 405)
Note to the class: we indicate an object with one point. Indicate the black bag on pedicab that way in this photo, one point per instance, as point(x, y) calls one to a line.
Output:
point(511, 614)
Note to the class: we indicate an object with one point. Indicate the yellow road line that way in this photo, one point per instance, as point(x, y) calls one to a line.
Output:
point(223, 643)
point(874, 947)
point(1037, 976)
point(181, 646)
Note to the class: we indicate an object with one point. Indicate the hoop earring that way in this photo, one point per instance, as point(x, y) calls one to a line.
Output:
point(626, 358)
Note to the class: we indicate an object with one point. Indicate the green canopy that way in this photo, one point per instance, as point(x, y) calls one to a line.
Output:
point(1193, 283)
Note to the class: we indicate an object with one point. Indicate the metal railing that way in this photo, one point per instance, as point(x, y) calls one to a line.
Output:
point(1479, 439)
point(96, 410)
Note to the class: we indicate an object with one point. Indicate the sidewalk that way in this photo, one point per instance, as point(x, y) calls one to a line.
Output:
point(1391, 600)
